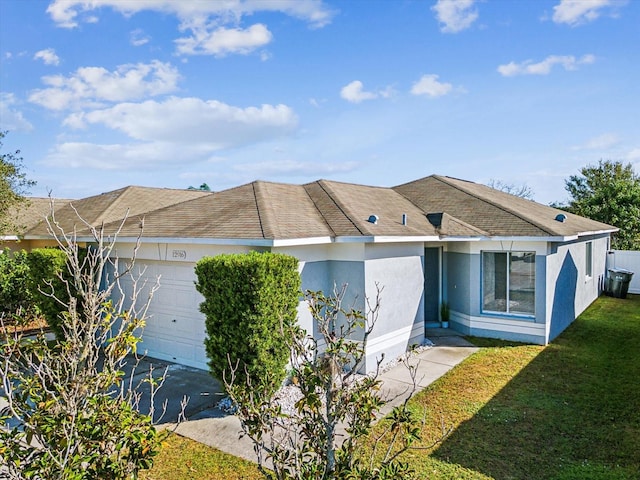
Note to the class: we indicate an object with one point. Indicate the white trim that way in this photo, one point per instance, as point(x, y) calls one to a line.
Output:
point(291, 242)
point(598, 232)
point(499, 324)
point(260, 242)
point(387, 239)
point(401, 335)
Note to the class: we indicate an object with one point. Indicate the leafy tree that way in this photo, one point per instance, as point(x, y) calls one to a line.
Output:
point(204, 187)
point(71, 414)
point(13, 186)
point(247, 299)
point(609, 192)
point(523, 191)
point(327, 435)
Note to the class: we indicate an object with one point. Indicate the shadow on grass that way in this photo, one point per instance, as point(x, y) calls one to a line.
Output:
point(571, 413)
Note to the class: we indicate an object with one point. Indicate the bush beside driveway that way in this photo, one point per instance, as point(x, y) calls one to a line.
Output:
point(570, 410)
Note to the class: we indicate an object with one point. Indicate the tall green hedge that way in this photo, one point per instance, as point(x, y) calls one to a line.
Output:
point(45, 267)
point(15, 295)
point(249, 298)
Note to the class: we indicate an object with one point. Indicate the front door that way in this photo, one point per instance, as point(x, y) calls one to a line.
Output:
point(432, 284)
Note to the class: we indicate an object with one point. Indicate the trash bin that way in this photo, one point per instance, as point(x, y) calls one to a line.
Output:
point(618, 282)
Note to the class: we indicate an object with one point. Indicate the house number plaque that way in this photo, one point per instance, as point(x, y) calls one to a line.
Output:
point(180, 254)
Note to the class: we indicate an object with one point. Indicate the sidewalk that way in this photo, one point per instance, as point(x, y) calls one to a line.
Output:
point(212, 427)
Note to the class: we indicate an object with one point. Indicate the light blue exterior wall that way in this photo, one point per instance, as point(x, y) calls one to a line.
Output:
point(327, 275)
point(397, 269)
point(569, 290)
point(563, 290)
point(458, 291)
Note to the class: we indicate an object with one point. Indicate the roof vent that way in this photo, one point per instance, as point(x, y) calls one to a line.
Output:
point(561, 217)
point(373, 219)
point(404, 219)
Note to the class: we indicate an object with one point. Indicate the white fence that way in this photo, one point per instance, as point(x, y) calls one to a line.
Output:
point(629, 260)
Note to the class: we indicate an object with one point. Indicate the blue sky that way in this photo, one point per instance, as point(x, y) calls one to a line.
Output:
point(99, 94)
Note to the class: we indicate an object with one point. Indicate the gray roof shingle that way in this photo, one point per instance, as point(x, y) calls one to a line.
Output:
point(434, 206)
point(495, 212)
point(113, 206)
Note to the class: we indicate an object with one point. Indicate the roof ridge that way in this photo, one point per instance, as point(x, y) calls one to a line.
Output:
point(467, 225)
point(105, 213)
point(324, 184)
point(254, 184)
point(270, 225)
point(497, 205)
point(351, 184)
point(315, 205)
point(159, 209)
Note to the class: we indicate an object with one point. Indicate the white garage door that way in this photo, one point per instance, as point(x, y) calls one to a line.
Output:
point(175, 328)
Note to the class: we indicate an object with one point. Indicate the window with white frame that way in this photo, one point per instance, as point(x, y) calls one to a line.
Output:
point(588, 259)
point(508, 282)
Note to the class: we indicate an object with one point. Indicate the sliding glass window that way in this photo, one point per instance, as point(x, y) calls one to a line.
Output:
point(508, 282)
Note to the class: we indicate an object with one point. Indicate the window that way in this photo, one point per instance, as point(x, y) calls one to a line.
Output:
point(508, 282)
point(588, 259)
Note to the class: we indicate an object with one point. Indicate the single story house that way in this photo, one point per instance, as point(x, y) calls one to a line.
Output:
point(507, 267)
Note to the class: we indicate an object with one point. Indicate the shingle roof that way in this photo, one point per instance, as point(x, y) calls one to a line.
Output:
point(273, 211)
point(258, 210)
point(434, 207)
point(28, 214)
point(113, 206)
point(347, 207)
point(495, 212)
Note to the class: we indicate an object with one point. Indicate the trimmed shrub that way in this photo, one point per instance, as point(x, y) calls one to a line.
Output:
point(47, 267)
point(14, 292)
point(250, 301)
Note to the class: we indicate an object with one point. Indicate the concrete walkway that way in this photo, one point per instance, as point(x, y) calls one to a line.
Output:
point(208, 425)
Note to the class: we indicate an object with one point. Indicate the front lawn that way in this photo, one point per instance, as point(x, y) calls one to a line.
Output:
point(568, 411)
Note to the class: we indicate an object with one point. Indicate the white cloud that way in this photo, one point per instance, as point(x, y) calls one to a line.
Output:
point(601, 142)
point(354, 92)
point(174, 132)
point(223, 41)
point(568, 62)
point(192, 120)
point(48, 56)
point(214, 25)
point(94, 85)
point(293, 167)
point(455, 15)
point(430, 86)
point(120, 156)
point(137, 37)
point(578, 12)
point(69, 13)
point(10, 118)
point(634, 155)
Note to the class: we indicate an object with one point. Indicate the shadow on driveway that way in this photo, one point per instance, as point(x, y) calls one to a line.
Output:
point(201, 390)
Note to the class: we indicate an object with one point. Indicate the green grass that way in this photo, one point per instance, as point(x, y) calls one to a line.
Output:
point(184, 459)
point(567, 411)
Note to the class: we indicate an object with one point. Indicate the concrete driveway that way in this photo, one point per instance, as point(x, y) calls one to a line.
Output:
point(206, 424)
point(200, 420)
point(200, 390)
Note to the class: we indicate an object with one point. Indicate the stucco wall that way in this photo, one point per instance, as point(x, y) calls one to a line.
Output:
point(325, 267)
point(463, 262)
point(459, 279)
point(398, 270)
point(569, 290)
